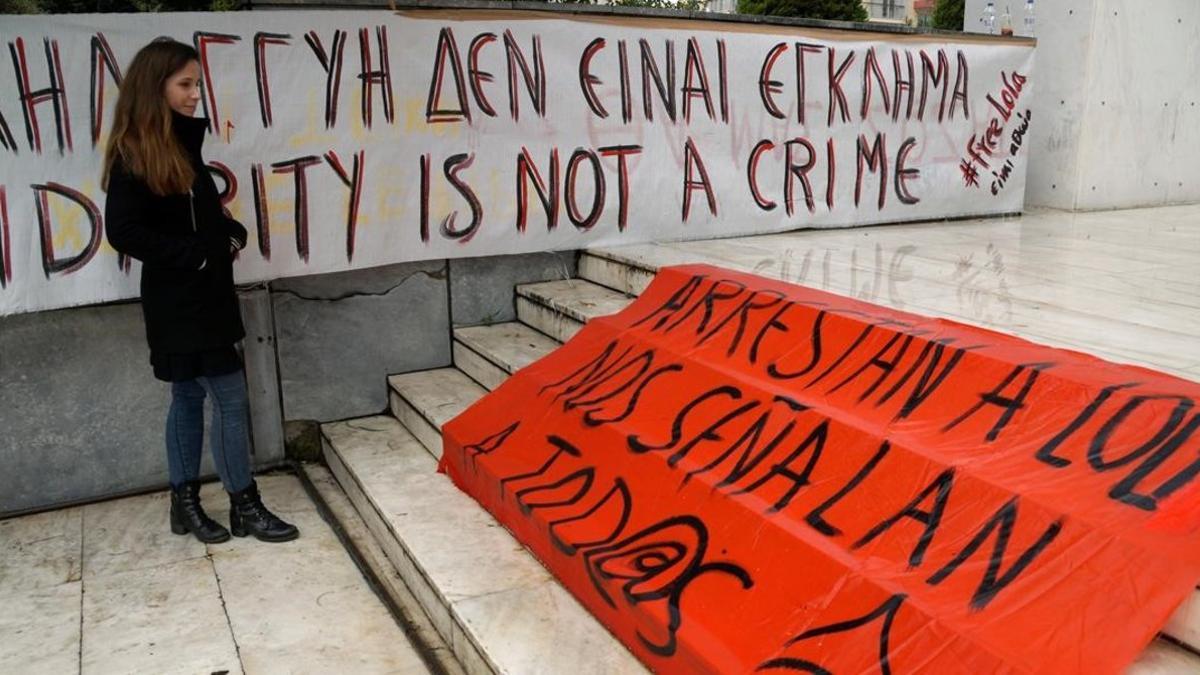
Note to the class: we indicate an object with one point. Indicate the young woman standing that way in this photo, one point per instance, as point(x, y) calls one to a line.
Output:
point(163, 209)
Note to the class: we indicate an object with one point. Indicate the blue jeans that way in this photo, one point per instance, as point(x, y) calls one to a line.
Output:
point(228, 435)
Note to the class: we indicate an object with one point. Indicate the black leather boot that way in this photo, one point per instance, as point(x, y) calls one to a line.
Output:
point(247, 515)
point(188, 516)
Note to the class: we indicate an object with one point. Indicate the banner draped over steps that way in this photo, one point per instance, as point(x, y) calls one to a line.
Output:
point(737, 474)
point(350, 139)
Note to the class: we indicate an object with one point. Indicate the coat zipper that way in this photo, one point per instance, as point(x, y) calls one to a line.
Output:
point(192, 208)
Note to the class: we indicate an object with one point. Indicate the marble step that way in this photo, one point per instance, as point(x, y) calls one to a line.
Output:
point(489, 354)
point(425, 400)
point(489, 599)
point(611, 269)
point(370, 552)
point(1165, 658)
point(560, 308)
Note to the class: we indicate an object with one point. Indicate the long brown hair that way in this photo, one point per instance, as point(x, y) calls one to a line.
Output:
point(142, 136)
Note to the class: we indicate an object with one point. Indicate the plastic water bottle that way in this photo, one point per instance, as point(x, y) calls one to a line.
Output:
point(1029, 19)
point(989, 18)
point(1006, 24)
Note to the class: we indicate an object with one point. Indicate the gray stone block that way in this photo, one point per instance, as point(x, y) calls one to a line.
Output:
point(82, 414)
point(81, 411)
point(339, 335)
point(481, 289)
point(262, 376)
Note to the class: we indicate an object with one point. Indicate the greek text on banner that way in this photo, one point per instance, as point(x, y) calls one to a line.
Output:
point(353, 139)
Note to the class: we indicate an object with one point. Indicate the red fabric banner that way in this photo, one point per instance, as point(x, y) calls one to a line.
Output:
point(736, 474)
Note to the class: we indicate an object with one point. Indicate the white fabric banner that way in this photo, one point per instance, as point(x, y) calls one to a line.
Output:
point(351, 139)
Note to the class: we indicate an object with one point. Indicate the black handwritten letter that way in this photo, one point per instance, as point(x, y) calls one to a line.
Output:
point(1002, 522)
point(1046, 452)
point(621, 152)
point(261, 79)
point(693, 164)
point(837, 97)
point(55, 93)
point(874, 159)
point(262, 217)
point(1010, 405)
point(887, 610)
point(380, 77)
point(816, 517)
point(102, 60)
point(961, 88)
point(693, 69)
point(752, 174)
point(905, 174)
point(447, 53)
point(799, 171)
point(208, 100)
point(298, 168)
point(587, 81)
point(353, 180)
point(331, 63)
point(5, 246)
point(451, 168)
point(872, 71)
point(51, 263)
point(939, 488)
point(902, 86)
point(579, 220)
point(548, 196)
point(802, 50)
point(535, 81)
point(476, 76)
point(650, 72)
point(767, 86)
point(940, 77)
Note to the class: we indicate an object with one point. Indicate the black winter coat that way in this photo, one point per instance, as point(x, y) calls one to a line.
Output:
point(183, 241)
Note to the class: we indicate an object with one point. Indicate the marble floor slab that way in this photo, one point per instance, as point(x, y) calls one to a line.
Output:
point(41, 589)
point(336, 625)
point(43, 549)
point(164, 619)
point(39, 628)
point(106, 588)
point(1123, 285)
point(124, 535)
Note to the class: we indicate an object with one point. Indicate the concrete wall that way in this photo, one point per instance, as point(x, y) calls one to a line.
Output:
point(1141, 128)
point(1117, 102)
point(481, 288)
point(83, 416)
point(341, 334)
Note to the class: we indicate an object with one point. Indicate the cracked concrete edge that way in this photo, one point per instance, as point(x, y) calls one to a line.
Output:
point(378, 571)
point(371, 281)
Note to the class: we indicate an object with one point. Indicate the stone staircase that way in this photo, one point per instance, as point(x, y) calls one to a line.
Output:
point(494, 607)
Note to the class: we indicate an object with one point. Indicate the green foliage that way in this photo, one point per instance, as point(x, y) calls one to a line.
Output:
point(948, 14)
point(19, 7)
point(81, 6)
point(688, 5)
point(843, 10)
